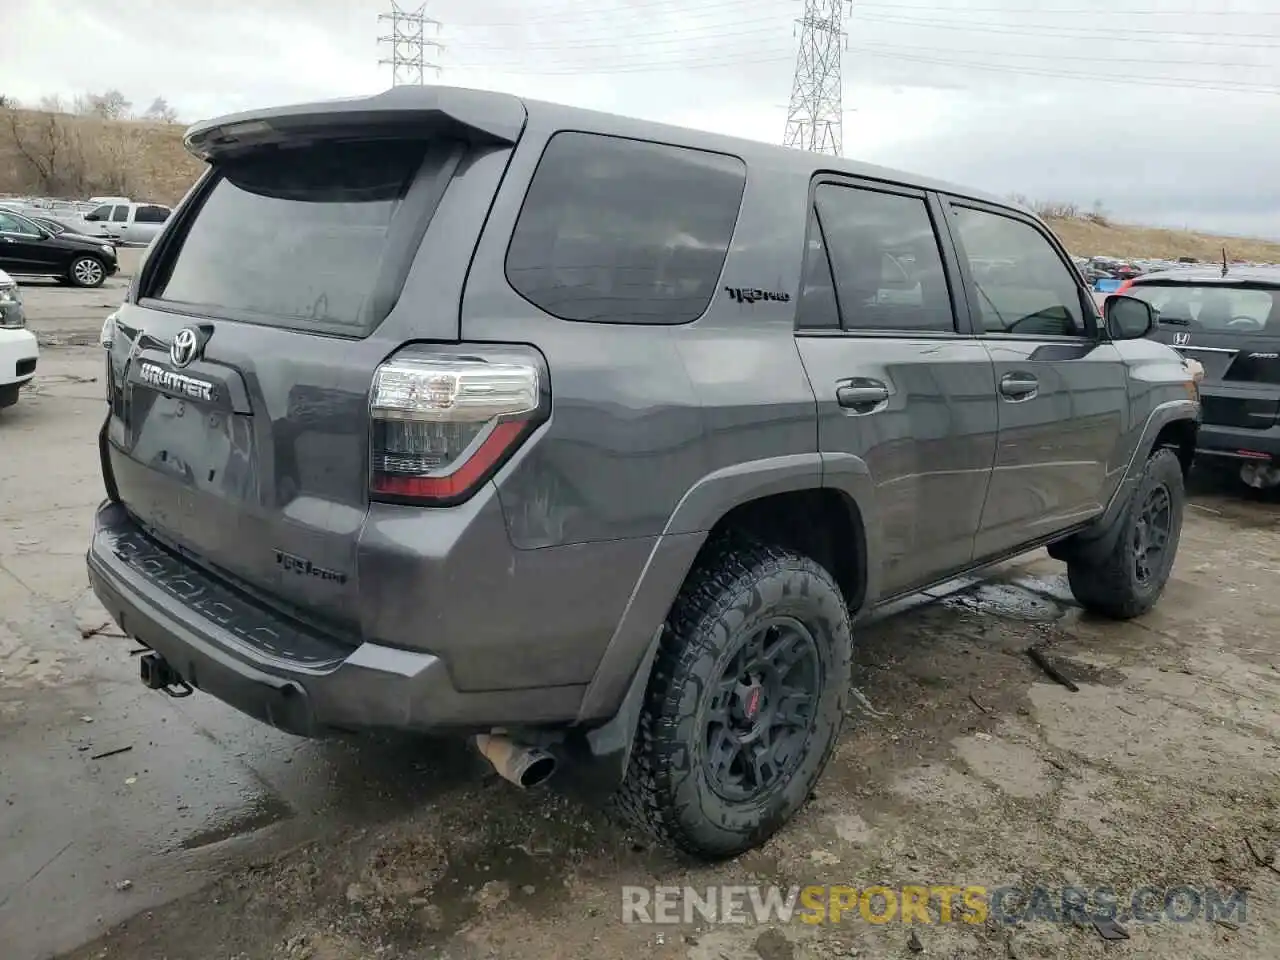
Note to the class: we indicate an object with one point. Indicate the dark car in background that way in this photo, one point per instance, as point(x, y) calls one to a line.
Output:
point(30, 249)
point(61, 228)
point(1230, 322)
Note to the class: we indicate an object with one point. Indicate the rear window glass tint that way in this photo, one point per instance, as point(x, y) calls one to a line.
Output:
point(1211, 308)
point(624, 231)
point(295, 239)
point(150, 214)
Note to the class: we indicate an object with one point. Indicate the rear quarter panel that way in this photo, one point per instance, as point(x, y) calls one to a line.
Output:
point(655, 431)
point(641, 414)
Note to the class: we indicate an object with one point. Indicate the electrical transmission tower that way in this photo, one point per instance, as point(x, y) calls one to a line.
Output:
point(408, 41)
point(816, 110)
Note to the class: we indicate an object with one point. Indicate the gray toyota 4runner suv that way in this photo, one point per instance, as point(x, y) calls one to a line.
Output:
point(592, 439)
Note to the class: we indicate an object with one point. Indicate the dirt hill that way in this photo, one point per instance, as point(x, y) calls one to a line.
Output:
point(1085, 238)
point(64, 155)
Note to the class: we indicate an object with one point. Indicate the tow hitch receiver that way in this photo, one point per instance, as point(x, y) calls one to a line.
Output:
point(158, 675)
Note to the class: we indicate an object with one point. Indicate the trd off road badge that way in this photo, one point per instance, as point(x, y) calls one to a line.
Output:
point(745, 295)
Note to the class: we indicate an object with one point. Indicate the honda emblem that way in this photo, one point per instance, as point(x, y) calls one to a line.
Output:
point(1181, 339)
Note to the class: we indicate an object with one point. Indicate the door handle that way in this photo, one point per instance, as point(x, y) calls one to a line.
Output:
point(862, 395)
point(1018, 386)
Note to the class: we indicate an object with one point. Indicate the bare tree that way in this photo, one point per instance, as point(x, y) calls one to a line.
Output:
point(109, 105)
point(52, 148)
point(161, 112)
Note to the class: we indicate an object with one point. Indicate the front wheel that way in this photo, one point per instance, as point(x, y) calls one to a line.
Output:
point(745, 702)
point(1129, 580)
point(87, 272)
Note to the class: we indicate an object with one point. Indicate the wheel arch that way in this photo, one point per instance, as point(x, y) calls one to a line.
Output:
point(1172, 425)
point(807, 502)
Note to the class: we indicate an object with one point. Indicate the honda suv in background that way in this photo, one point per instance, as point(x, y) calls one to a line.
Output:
point(593, 439)
point(1229, 320)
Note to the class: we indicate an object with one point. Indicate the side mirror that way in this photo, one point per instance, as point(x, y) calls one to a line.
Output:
point(1128, 318)
point(92, 217)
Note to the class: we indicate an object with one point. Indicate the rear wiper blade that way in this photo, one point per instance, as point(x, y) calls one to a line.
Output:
point(1174, 322)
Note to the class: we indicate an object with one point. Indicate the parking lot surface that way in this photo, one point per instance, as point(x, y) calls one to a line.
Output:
point(138, 826)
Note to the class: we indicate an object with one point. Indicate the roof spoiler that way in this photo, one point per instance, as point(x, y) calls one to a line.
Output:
point(475, 115)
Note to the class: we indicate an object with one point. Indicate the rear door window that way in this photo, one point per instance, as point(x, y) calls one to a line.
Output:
point(886, 259)
point(296, 239)
point(149, 213)
point(624, 231)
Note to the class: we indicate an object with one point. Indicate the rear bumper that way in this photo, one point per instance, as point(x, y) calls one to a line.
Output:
point(279, 671)
point(1238, 443)
point(19, 353)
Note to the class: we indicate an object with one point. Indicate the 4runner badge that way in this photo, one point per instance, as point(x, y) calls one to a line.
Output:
point(173, 382)
point(745, 295)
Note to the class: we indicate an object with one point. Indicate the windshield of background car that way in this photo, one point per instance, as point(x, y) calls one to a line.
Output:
point(1212, 308)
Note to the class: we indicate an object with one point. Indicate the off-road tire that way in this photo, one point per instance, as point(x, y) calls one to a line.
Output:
point(665, 791)
point(1110, 586)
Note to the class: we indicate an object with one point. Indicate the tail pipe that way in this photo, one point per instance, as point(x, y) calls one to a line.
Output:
point(524, 766)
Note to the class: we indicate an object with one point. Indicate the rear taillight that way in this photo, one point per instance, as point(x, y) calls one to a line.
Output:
point(1124, 286)
point(442, 425)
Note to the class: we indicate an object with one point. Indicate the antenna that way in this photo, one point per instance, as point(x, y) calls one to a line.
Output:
point(409, 41)
point(1224, 260)
point(815, 114)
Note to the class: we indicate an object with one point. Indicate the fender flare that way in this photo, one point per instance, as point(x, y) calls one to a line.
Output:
point(1159, 418)
point(1099, 538)
point(630, 649)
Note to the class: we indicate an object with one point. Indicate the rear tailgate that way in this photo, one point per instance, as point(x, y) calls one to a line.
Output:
point(240, 368)
point(1233, 330)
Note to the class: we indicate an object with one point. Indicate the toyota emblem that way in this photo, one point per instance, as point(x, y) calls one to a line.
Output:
point(184, 348)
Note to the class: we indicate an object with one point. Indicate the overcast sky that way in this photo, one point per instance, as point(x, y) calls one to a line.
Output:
point(1166, 111)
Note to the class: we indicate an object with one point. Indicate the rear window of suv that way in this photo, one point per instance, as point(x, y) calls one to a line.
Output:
point(295, 238)
point(625, 231)
point(1211, 308)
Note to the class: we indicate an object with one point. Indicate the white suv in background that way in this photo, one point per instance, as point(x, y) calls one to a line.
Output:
point(18, 349)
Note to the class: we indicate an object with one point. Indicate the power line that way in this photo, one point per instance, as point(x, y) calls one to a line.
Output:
point(578, 11)
point(408, 41)
point(735, 62)
point(766, 27)
point(685, 40)
point(815, 115)
point(1129, 35)
point(1191, 83)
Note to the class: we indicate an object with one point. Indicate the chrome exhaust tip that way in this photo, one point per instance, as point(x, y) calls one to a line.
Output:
point(526, 767)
